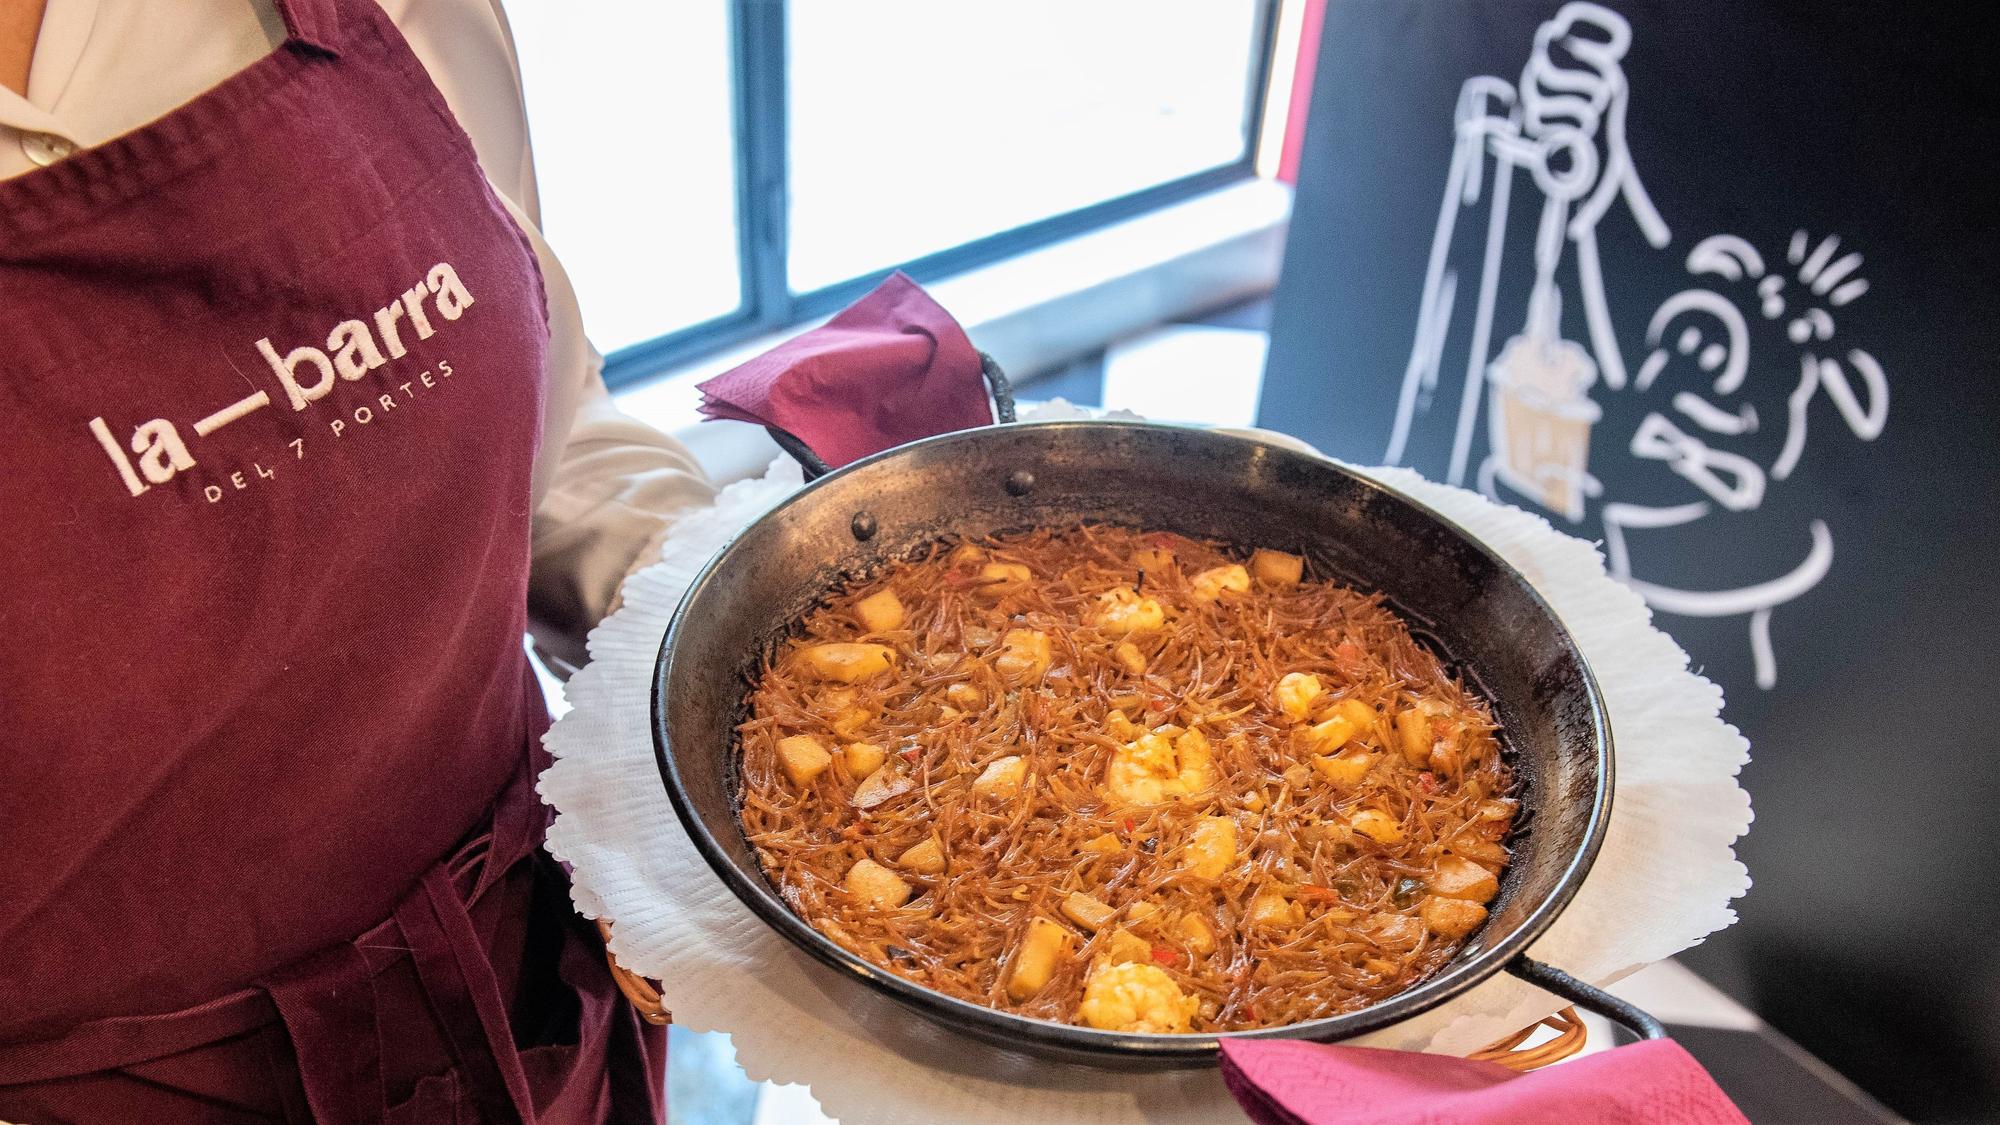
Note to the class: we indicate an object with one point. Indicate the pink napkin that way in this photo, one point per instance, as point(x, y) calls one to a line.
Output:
point(1287, 1082)
point(890, 368)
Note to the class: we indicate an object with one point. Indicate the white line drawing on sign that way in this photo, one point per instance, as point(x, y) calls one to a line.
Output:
point(1564, 124)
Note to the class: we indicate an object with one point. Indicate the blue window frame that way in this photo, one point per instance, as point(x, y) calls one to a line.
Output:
point(760, 32)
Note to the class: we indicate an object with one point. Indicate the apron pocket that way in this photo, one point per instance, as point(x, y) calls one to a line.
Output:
point(551, 1072)
point(437, 1099)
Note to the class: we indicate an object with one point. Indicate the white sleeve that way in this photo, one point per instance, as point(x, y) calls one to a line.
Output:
point(608, 486)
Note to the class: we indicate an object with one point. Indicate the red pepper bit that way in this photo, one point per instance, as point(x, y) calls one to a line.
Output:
point(1128, 824)
point(909, 755)
point(1250, 1010)
point(1166, 956)
point(1348, 655)
point(1427, 781)
point(1157, 704)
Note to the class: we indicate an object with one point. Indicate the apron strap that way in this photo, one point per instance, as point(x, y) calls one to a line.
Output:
point(465, 997)
point(130, 1040)
point(311, 23)
point(329, 1007)
point(328, 1004)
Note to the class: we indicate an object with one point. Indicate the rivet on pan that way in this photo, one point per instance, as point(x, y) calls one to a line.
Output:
point(1020, 482)
point(863, 526)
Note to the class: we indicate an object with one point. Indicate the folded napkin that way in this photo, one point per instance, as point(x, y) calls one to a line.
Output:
point(890, 368)
point(1287, 1082)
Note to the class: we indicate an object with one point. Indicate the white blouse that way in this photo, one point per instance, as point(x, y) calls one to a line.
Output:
point(606, 495)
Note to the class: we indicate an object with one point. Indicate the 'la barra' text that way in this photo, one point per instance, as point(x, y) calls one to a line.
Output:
point(354, 349)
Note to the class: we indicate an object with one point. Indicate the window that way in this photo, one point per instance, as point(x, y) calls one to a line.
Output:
point(709, 172)
point(644, 217)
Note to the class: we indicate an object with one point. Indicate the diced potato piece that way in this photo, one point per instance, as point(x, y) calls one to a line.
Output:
point(965, 696)
point(1135, 997)
point(1451, 918)
point(1210, 584)
point(803, 758)
point(1002, 778)
point(1294, 695)
point(1107, 844)
point(1458, 877)
point(852, 722)
point(1035, 961)
point(1356, 712)
point(1254, 802)
point(1350, 720)
point(1130, 658)
point(925, 857)
point(1024, 654)
point(1445, 754)
point(1140, 911)
point(1124, 947)
point(843, 712)
point(1197, 933)
point(1413, 735)
point(1087, 911)
point(848, 663)
point(1346, 768)
point(1122, 611)
point(863, 758)
point(964, 555)
point(1474, 846)
point(880, 611)
point(1271, 908)
point(1276, 568)
point(998, 578)
point(876, 885)
point(1119, 727)
point(1376, 825)
point(1212, 849)
point(1396, 930)
point(1152, 560)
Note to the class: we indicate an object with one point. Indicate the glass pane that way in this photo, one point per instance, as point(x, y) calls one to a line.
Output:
point(918, 125)
point(629, 108)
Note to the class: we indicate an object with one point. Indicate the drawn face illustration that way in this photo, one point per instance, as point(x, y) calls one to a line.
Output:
point(1700, 340)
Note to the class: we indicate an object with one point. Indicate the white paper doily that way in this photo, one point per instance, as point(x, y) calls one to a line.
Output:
point(1662, 883)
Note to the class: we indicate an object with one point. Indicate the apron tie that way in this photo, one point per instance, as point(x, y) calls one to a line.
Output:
point(465, 996)
point(327, 1003)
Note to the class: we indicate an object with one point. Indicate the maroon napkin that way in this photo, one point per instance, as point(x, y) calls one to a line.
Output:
point(1287, 1082)
point(890, 368)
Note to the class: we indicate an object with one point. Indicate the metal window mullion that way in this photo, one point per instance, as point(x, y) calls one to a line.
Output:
point(762, 182)
point(1256, 97)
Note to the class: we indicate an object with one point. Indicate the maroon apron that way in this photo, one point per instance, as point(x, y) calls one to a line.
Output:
point(271, 382)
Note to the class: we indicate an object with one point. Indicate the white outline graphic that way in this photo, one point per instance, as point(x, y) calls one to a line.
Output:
point(1563, 123)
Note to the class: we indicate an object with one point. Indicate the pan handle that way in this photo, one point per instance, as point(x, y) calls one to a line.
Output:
point(1548, 978)
point(816, 467)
